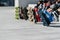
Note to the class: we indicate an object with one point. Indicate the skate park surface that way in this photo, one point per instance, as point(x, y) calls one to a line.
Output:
point(12, 29)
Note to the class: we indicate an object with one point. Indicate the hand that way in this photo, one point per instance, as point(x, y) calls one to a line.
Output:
point(58, 9)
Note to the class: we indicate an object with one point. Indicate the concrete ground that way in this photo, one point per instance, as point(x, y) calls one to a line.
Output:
point(12, 29)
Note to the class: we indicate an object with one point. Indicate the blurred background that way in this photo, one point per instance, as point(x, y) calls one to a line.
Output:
point(23, 3)
point(6, 2)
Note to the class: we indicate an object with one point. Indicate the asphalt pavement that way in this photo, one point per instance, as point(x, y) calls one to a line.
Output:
point(12, 29)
